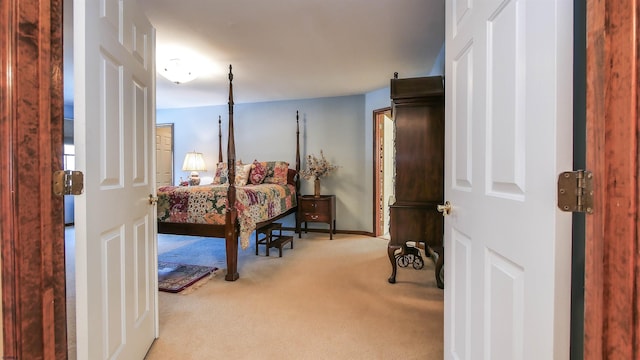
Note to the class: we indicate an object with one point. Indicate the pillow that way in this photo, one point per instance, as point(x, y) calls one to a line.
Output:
point(242, 174)
point(276, 172)
point(258, 172)
point(221, 176)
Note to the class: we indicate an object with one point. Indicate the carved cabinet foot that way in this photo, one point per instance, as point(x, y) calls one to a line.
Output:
point(439, 252)
point(391, 251)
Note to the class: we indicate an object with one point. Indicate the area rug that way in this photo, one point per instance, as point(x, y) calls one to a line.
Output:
point(175, 278)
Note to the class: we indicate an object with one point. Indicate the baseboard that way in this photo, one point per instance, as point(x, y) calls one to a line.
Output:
point(326, 231)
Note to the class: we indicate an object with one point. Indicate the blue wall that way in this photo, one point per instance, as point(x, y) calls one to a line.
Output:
point(340, 126)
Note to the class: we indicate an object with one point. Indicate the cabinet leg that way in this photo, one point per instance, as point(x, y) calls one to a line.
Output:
point(391, 251)
point(334, 226)
point(439, 272)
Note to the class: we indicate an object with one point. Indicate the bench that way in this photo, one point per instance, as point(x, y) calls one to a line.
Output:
point(270, 239)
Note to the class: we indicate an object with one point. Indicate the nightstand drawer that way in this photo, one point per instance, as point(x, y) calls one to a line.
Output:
point(312, 216)
point(315, 206)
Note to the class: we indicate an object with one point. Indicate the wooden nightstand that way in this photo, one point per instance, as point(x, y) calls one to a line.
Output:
point(317, 209)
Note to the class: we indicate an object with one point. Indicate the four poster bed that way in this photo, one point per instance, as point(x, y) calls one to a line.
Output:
point(261, 193)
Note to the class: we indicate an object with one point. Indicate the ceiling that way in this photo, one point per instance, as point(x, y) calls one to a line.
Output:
point(287, 49)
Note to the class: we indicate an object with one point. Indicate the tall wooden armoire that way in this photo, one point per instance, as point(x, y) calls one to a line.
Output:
point(418, 115)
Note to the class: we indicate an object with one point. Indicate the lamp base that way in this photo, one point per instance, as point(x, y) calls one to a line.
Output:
point(194, 178)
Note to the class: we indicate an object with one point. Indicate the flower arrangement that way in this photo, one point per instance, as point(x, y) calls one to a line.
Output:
point(317, 167)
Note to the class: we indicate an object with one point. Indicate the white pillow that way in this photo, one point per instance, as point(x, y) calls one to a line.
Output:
point(242, 174)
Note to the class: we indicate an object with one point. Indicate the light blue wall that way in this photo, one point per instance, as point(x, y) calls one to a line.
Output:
point(68, 111)
point(438, 66)
point(340, 126)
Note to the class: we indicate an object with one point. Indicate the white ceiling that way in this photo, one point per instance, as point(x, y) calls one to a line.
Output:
point(288, 49)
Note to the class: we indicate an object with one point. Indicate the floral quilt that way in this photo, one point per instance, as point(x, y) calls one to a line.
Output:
point(207, 204)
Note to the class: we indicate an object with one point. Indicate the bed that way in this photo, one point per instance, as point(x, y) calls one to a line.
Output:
point(204, 210)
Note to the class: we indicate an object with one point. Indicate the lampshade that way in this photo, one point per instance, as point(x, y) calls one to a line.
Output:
point(194, 161)
point(178, 71)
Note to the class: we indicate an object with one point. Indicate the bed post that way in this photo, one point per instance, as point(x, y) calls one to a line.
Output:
point(297, 154)
point(231, 232)
point(297, 171)
point(219, 139)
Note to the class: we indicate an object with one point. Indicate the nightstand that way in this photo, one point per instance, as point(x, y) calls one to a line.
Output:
point(317, 209)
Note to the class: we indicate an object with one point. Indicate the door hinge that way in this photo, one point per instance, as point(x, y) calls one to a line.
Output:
point(68, 182)
point(575, 191)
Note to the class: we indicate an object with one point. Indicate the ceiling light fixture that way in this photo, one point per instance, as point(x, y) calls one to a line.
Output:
point(177, 71)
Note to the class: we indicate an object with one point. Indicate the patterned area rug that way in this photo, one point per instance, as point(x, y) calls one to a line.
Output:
point(175, 278)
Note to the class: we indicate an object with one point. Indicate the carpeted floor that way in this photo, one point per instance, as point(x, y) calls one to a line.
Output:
point(322, 300)
point(325, 299)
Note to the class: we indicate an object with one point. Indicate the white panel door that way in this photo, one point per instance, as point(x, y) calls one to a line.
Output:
point(116, 254)
point(164, 155)
point(508, 136)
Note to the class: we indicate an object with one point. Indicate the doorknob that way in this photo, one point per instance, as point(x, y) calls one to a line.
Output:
point(153, 199)
point(445, 209)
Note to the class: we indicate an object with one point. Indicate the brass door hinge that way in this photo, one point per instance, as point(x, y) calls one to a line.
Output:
point(575, 191)
point(67, 182)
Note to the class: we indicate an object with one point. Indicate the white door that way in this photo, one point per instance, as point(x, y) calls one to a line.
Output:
point(508, 136)
point(114, 105)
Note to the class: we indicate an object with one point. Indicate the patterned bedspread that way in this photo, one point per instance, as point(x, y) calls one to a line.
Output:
point(207, 204)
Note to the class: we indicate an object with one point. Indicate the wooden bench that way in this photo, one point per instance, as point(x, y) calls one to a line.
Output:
point(270, 239)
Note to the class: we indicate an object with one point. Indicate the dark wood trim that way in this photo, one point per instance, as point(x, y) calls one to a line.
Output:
point(32, 221)
point(8, 229)
point(326, 231)
point(611, 249)
point(378, 164)
point(378, 136)
point(352, 232)
point(219, 139)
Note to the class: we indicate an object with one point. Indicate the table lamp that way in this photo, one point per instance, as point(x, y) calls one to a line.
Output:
point(194, 162)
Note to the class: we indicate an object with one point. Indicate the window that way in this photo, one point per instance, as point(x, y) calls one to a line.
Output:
point(69, 158)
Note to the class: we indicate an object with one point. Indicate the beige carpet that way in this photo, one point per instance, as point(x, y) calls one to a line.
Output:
point(325, 299)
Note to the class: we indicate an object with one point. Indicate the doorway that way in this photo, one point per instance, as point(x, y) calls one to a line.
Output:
point(164, 155)
point(24, 329)
point(383, 160)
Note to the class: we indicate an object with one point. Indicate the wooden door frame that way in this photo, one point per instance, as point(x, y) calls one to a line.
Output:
point(32, 230)
point(378, 154)
point(611, 246)
point(32, 221)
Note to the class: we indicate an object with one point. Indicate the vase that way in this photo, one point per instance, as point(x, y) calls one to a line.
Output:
point(316, 188)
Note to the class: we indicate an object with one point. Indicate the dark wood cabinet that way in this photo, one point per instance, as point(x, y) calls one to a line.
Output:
point(418, 115)
point(317, 209)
